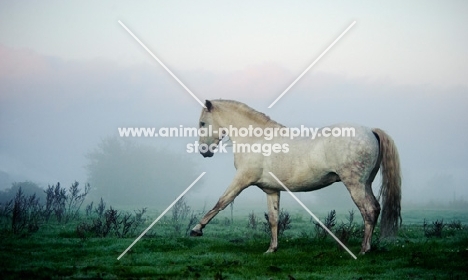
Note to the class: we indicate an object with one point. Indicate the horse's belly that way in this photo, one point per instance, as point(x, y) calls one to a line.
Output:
point(311, 181)
point(298, 181)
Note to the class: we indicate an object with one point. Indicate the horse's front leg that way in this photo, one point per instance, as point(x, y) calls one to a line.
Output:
point(240, 182)
point(273, 200)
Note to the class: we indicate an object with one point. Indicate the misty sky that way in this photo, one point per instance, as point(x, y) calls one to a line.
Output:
point(70, 75)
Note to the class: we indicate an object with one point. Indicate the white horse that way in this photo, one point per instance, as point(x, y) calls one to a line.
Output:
point(306, 166)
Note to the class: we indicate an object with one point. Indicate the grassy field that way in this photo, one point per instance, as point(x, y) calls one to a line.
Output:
point(233, 251)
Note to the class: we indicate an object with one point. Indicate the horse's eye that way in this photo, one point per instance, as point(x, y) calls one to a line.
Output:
point(202, 124)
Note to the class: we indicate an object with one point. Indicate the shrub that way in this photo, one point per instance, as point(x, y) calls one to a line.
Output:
point(347, 230)
point(192, 222)
point(180, 212)
point(434, 230)
point(100, 208)
point(89, 209)
point(284, 222)
point(111, 222)
point(455, 225)
point(252, 221)
point(74, 200)
point(329, 222)
point(64, 204)
point(25, 213)
point(6, 209)
point(55, 202)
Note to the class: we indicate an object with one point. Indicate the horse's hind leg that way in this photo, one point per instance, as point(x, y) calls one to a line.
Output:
point(368, 206)
point(273, 200)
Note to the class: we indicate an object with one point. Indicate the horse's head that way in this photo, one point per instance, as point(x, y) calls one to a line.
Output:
point(209, 141)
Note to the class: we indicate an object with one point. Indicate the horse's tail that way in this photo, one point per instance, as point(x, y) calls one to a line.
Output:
point(390, 190)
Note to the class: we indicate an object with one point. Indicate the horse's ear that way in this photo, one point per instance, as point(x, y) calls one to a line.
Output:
point(208, 105)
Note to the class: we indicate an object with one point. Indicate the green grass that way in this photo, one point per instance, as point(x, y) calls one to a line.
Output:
point(232, 252)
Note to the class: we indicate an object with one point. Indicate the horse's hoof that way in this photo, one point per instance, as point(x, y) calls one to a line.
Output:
point(196, 233)
point(269, 251)
point(365, 250)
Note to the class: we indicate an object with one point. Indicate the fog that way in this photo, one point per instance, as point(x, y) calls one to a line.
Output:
point(64, 89)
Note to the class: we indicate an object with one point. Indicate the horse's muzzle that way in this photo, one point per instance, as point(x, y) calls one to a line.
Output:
point(207, 154)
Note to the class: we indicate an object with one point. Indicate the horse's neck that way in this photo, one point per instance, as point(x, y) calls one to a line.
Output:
point(245, 119)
